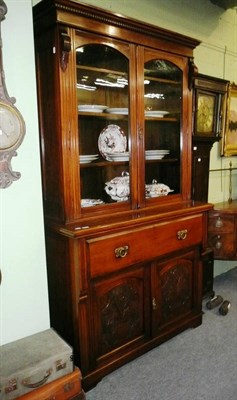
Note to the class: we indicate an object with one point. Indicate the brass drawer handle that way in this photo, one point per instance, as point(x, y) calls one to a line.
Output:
point(182, 235)
point(121, 252)
point(218, 242)
point(219, 223)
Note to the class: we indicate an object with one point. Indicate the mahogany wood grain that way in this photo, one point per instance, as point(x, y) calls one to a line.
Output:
point(112, 306)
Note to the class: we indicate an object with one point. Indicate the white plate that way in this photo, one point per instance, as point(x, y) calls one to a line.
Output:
point(91, 108)
point(124, 156)
point(111, 140)
point(89, 155)
point(154, 157)
point(157, 114)
point(120, 154)
point(87, 161)
point(91, 202)
point(157, 151)
point(117, 111)
point(84, 159)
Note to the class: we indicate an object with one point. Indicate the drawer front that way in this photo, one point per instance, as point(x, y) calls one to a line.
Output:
point(113, 252)
point(223, 245)
point(218, 222)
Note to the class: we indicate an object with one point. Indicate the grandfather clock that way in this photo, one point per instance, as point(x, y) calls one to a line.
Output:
point(210, 96)
point(208, 121)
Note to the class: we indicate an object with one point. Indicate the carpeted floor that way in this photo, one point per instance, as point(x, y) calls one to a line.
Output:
point(198, 364)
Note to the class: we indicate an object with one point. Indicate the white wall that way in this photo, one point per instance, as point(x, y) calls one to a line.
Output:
point(24, 299)
point(24, 296)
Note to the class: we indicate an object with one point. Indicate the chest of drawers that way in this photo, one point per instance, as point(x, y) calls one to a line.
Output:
point(222, 238)
point(131, 288)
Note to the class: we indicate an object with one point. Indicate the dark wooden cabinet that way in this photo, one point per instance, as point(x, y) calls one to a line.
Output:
point(124, 239)
point(222, 232)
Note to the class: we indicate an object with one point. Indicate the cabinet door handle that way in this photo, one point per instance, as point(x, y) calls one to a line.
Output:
point(121, 252)
point(154, 305)
point(182, 235)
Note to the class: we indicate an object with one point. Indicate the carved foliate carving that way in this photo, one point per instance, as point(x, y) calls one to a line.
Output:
point(12, 125)
point(192, 73)
point(120, 315)
point(65, 48)
point(176, 290)
point(7, 175)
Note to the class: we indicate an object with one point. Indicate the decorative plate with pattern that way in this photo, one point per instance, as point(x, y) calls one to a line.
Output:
point(111, 140)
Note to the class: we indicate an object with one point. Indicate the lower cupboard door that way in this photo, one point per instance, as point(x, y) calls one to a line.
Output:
point(174, 290)
point(120, 312)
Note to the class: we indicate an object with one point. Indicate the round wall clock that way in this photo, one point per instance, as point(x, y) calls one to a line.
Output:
point(12, 125)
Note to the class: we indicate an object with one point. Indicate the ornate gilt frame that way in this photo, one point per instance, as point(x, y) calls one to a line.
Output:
point(229, 140)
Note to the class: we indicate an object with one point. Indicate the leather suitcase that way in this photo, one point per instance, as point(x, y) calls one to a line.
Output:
point(66, 388)
point(32, 362)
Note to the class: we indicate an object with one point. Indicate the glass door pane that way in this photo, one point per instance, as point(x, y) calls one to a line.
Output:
point(163, 106)
point(103, 124)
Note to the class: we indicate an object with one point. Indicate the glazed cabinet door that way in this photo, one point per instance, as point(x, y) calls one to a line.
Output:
point(163, 100)
point(133, 139)
point(173, 294)
point(119, 315)
point(106, 104)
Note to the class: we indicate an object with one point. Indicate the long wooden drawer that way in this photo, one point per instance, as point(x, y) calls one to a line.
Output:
point(218, 222)
point(113, 252)
point(223, 244)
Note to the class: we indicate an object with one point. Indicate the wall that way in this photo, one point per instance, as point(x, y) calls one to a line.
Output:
point(24, 301)
point(24, 296)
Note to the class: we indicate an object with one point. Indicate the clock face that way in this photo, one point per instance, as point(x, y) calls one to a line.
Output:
point(12, 127)
point(205, 114)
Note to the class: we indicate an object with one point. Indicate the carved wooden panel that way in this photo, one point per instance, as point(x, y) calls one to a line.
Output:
point(172, 290)
point(120, 314)
point(176, 289)
point(119, 311)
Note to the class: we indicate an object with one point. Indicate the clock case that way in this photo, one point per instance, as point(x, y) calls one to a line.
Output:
point(202, 142)
point(216, 89)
